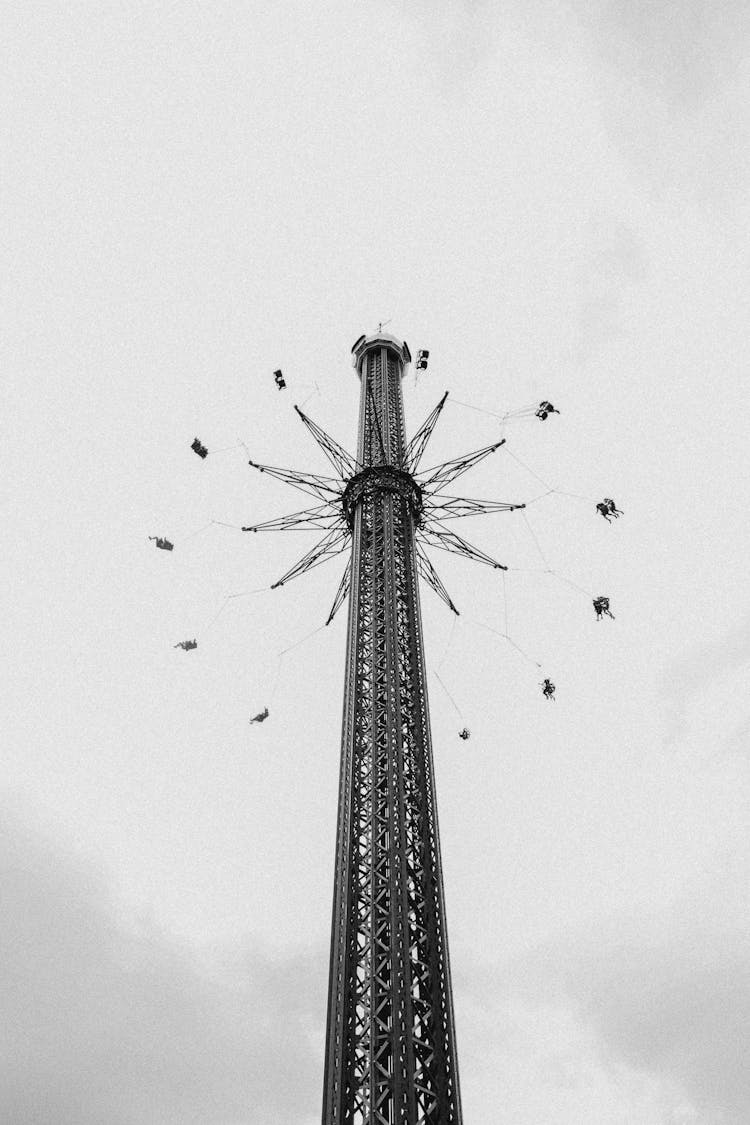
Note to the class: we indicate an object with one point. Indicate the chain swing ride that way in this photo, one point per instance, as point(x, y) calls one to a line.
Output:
point(338, 498)
point(390, 1041)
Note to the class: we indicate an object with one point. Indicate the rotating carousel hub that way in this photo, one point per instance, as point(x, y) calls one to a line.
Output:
point(378, 479)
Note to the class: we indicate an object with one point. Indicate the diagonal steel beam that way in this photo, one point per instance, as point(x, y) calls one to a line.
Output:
point(374, 417)
point(418, 443)
point(449, 470)
point(324, 549)
point(432, 578)
point(443, 507)
point(325, 517)
point(343, 462)
point(343, 591)
point(449, 541)
point(324, 488)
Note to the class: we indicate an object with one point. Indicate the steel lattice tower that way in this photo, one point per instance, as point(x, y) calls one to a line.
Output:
point(390, 1045)
point(390, 1054)
point(390, 1038)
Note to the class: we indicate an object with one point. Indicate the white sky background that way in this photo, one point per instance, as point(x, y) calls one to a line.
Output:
point(553, 200)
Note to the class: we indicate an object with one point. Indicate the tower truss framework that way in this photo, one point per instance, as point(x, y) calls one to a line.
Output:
point(390, 1040)
point(391, 1052)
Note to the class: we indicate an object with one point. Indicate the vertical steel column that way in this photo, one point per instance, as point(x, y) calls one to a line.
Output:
point(390, 1049)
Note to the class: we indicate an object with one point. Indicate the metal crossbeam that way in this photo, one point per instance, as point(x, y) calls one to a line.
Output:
point(372, 419)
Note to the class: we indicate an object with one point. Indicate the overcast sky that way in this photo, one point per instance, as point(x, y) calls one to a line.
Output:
point(552, 198)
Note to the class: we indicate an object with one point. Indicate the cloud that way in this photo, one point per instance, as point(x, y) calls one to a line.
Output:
point(738, 742)
point(684, 51)
point(673, 94)
point(689, 679)
point(529, 1059)
point(108, 1022)
point(666, 996)
point(722, 654)
point(615, 262)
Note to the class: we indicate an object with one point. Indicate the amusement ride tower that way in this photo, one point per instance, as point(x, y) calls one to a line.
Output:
point(390, 1042)
point(390, 1054)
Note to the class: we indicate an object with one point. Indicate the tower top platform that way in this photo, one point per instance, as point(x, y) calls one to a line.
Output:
point(366, 344)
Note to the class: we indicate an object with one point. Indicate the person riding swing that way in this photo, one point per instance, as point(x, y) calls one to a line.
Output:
point(601, 606)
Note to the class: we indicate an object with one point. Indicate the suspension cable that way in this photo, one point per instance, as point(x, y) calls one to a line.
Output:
point(529, 470)
point(510, 641)
point(532, 533)
point(457, 709)
point(570, 582)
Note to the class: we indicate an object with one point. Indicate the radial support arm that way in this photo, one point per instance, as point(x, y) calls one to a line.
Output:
point(449, 470)
point(323, 488)
point(342, 461)
point(453, 507)
point(324, 517)
point(418, 443)
point(330, 545)
point(432, 578)
point(449, 541)
point(343, 591)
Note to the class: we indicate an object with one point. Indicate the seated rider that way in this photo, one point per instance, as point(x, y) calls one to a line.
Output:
point(545, 409)
point(548, 689)
point(601, 606)
point(607, 508)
